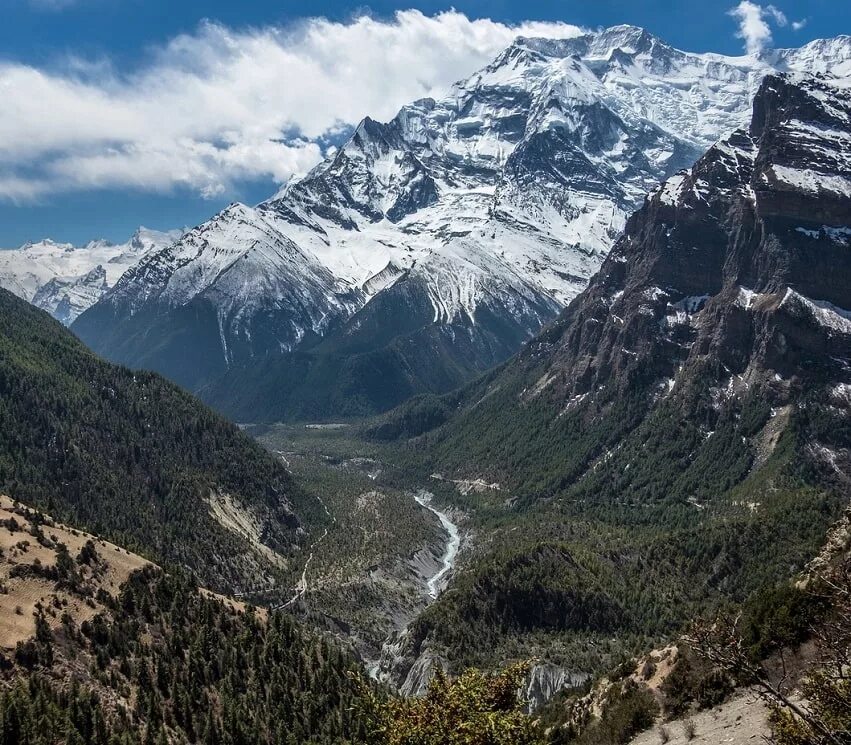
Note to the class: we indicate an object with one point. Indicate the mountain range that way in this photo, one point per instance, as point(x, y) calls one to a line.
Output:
point(429, 248)
point(680, 436)
point(64, 279)
point(651, 252)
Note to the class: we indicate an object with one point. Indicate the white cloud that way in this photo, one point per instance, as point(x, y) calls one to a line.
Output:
point(778, 15)
point(754, 26)
point(798, 25)
point(221, 105)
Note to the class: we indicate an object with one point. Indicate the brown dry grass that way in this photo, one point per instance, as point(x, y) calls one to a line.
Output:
point(21, 595)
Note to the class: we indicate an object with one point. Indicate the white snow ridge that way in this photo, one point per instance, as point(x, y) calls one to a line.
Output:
point(505, 195)
point(64, 279)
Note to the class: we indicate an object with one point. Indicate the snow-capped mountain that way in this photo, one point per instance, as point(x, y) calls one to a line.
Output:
point(702, 381)
point(433, 245)
point(64, 279)
point(729, 292)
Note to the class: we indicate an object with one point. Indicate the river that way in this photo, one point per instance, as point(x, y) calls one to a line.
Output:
point(453, 543)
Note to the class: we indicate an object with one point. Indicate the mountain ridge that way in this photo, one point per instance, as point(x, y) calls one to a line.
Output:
point(133, 457)
point(65, 279)
point(502, 198)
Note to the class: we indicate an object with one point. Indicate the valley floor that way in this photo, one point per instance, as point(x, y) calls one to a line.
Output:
point(388, 546)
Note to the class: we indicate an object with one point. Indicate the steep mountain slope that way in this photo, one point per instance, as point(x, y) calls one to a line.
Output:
point(391, 350)
point(732, 278)
point(131, 456)
point(99, 646)
point(64, 279)
point(468, 221)
point(681, 436)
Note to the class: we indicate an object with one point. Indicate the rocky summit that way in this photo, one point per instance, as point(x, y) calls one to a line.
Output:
point(428, 248)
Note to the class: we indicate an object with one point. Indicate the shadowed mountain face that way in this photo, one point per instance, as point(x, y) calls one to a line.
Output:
point(467, 222)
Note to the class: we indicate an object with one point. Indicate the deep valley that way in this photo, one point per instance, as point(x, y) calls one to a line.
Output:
point(522, 418)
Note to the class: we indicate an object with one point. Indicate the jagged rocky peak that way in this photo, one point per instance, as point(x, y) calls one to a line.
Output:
point(626, 38)
point(740, 264)
point(145, 239)
point(491, 206)
point(792, 169)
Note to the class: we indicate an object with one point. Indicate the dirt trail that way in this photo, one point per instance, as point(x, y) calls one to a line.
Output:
point(302, 585)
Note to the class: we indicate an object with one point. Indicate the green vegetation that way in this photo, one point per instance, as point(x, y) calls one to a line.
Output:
point(694, 683)
point(529, 598)
point(166, 663)
point(475, 709)
point(360, 575)
point(829, 718)
point(823, 600)
point(132, 457)
point(617, 521)
point(580, 558)
point(631, 709)
point(381, 357)
point(747, 646)
point(415, 417)
point(778, 617)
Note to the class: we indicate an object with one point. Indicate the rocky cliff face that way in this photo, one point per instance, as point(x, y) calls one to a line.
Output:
point(740, 263)
point(686, 420)
point(492, 206)
point(732, 278)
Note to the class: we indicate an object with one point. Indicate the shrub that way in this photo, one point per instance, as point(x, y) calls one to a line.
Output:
point(474, 709)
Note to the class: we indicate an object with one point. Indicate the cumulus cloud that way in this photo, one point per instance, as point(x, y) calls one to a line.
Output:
point(754, 24)
point(216, 106)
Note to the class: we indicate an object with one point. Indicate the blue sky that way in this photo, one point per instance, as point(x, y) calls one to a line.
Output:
point(158, 112)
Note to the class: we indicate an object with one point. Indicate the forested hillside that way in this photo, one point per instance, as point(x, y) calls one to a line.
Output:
point(681, 437)
point(131, 456)
point(165, 663)
point(98, 646)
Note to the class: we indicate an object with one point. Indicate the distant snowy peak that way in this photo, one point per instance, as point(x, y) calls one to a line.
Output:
point(65, 299)
point(697, 97)
point(831, 57)
point(64, 279)
point(491, 205)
